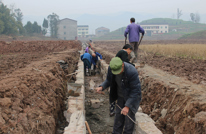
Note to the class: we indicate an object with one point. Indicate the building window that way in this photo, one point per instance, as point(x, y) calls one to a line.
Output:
point(165, 31)
point(165, 26)
point(79, 32)
point(64, 38)
point(65, 33)
point(161, 31)
point(86, 29)
point(83, 29)
point(161, 27)
point(64, 27)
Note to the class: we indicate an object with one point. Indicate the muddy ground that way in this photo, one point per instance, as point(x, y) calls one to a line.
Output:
point(33, 85)
point(98, 118)
point(186, 108)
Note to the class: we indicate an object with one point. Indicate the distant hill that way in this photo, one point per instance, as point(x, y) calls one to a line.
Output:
point(180, 25)
point(177, 28)
point(197, 35)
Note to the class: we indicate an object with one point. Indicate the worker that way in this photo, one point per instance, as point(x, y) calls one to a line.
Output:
point(87, 49)
point(95, 61)
point(123, 55)
point(134, 31)
point(87, 59)
point(125, 87)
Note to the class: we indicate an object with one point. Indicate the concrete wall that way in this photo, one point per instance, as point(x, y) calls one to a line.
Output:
point(75, 113)
point(67, 29)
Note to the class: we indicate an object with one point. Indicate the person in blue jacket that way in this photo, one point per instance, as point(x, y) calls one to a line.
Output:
point(95, 60)
point(87, 59)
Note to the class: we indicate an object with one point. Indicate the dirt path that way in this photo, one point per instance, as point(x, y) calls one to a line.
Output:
point(98, 118)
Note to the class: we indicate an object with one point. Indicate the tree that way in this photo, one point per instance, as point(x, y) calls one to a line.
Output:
point(53, 22)
point(18, 15)
point(28, 27)
point(195, 17)
point(192, 16)
point(1, 26)
point(45, 26)
point(9, 24)
point(32, 28)
point(179, 13)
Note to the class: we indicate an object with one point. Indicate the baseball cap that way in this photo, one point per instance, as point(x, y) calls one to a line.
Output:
point(116, 65)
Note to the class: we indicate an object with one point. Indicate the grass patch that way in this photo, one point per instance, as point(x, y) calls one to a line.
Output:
point(197, 51)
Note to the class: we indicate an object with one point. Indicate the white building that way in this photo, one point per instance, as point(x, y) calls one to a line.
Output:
point(83, 30)
point(152, 29)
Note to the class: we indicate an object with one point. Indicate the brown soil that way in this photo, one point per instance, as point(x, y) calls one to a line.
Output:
point(98, 118)
point(193, 70)
point(184, 100)
point(33, 86)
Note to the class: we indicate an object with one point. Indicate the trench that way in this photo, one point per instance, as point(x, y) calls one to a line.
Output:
point(174, 104)
point(61, 121)
point(97, 115)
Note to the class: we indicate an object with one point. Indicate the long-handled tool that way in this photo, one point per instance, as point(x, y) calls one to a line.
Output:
point(127, 115)
point(140, 39)
point(125, 40)
point(88, 128)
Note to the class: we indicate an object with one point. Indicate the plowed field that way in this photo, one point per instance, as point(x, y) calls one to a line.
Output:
point(33, 85)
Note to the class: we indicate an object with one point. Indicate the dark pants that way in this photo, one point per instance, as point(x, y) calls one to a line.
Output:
point(121, 121)
point(135, 46)
point(97, 64)
point(86, 64)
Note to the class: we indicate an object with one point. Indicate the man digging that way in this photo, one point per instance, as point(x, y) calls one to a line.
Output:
point(125, 87)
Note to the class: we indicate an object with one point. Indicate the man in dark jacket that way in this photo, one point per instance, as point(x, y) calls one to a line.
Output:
point(125, 87)
point(87, 59)
point(133, 30)
point(123, 54)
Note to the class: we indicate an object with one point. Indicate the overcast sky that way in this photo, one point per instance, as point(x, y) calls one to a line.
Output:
point(65, 7)
point(74, 8)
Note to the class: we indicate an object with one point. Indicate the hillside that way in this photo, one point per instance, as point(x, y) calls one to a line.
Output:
point(177, 28)
point(197, 35)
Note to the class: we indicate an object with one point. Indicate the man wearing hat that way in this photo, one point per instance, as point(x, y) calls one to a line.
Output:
point(125, 87)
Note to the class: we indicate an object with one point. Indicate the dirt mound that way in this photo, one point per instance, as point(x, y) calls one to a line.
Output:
point(193, 70)
point(32, 95)
point(37, 46)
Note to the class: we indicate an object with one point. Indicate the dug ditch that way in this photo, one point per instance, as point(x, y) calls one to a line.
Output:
point(32, 95)
point(97, 114)
point(175, 104)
